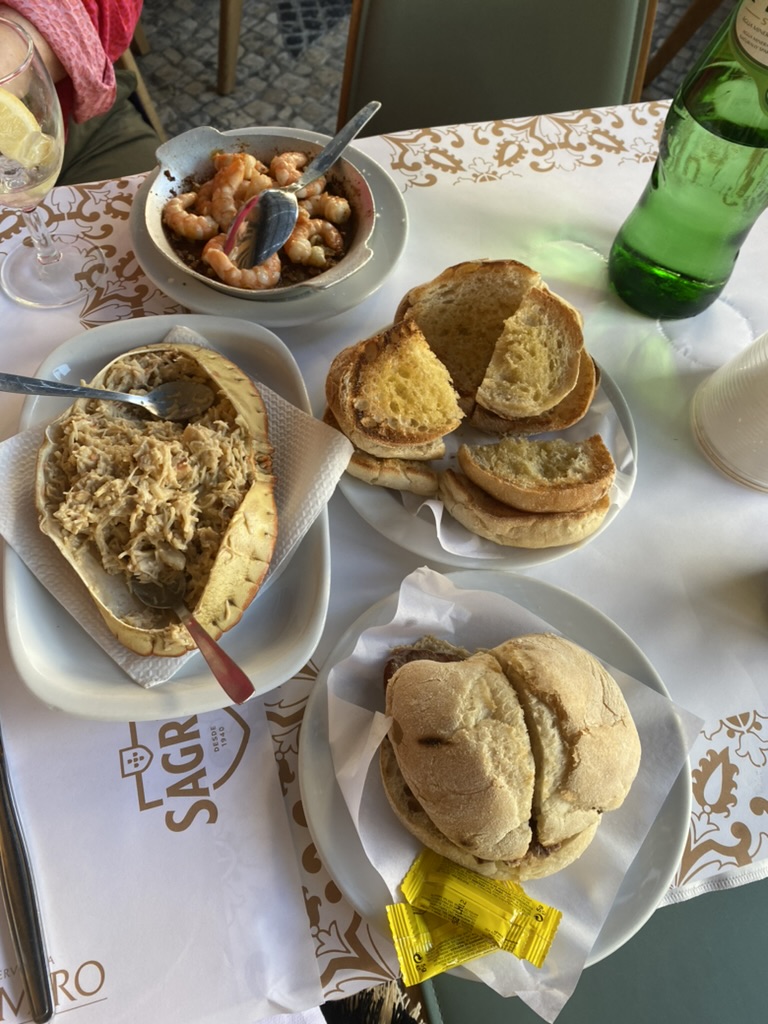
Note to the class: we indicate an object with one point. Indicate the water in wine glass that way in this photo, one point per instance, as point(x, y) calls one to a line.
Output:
point(48, 272)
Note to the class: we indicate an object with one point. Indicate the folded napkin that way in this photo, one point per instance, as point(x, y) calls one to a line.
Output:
point(309, 457)
point(586, 890)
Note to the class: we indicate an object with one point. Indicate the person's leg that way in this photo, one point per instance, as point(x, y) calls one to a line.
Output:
point(111, 145)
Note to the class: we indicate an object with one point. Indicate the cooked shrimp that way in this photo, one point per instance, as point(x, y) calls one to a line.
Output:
point(266, 275)
point(310, 240)
point(203, 201)
point(336, 209)
point(285, 168)
point(226, 181)
point(195, 226)
point(252, 186)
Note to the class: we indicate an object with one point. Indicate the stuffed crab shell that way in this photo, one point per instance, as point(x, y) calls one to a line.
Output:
point(126, 496)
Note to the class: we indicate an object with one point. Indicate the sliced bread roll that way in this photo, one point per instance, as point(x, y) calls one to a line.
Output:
point(535, 362)
point(541, 476)
point(488, 517)
point(568, 411)
point(444, 712)
point(584, 741)
point(410, 475)
point(392, 396)
point(462, 313)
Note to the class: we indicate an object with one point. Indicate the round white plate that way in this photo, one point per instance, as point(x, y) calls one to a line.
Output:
point(62, 665)
point(383, 509)
point(332, 828)
point(387, 242)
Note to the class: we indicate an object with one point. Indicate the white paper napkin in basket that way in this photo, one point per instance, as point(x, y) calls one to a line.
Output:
point(309, 457)
point(585, 891)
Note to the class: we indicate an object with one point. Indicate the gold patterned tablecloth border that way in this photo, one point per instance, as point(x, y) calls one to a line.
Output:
point(497, 149)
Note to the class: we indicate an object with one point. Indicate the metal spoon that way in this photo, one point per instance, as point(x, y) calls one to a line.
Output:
point(176, 400)
point(268, 219)
point(233, 681)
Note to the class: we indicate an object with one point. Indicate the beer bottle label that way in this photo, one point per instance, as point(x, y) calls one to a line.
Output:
point(751, 30)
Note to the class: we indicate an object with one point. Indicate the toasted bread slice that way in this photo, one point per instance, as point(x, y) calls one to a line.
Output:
point(488, 517)
point(408, 475)
point(462, 313)
point(570, 410)
point(535, 362)
point(541, 476)
point(392, 396)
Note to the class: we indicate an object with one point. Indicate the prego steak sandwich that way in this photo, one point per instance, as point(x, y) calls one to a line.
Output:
point(505, 760)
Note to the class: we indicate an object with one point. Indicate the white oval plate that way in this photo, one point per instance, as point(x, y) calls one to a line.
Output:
point(62, 665)
point(333, 830)
point(387, 243)
point(383, 509)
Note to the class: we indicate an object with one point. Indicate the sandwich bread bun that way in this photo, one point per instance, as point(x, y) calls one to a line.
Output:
point(506, 760)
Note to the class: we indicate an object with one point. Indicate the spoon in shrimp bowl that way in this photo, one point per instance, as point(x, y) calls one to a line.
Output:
point(265, 223)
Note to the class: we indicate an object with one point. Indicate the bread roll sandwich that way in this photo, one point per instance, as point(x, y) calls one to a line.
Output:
point(125, 496)
point(506, 760)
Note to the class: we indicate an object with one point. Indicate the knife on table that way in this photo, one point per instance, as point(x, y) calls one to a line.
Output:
point(21, 904)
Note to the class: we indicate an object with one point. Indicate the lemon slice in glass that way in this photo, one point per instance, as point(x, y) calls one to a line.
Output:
point(21, 138)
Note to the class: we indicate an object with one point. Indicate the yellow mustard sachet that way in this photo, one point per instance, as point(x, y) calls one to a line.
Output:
point(502, 911)
point(427, 945)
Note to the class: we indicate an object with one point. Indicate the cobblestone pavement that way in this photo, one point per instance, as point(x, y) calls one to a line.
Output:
point(290, 61)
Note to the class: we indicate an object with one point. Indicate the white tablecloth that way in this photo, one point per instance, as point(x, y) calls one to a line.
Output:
point(683, 570)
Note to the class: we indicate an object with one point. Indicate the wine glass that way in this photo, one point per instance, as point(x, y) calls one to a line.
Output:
point(39, 272)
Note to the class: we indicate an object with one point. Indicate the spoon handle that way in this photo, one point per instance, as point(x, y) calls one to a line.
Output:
point(19, 385)
point(328, 156)
point(235, 683)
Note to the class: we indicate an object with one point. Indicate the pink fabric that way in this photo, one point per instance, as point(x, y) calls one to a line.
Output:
point(87, 36)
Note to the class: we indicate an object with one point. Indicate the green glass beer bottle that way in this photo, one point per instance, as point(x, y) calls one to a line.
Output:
point(677, 249)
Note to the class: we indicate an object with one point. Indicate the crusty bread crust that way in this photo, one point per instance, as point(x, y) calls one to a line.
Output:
point(391, 396)
point(565, 414)
point(245, 549)
point(462, 313)
point(510, 796)
point(541, 476)
point(488, 517)
point(442, 711)
point(407, 475)
point(535, 362)
point(584, 739)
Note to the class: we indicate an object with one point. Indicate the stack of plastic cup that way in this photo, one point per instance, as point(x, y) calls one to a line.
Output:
point(729, 414)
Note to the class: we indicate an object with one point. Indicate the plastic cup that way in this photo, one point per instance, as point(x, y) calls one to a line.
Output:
point(729, 415)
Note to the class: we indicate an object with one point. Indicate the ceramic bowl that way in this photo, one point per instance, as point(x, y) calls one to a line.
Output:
point(190, 156)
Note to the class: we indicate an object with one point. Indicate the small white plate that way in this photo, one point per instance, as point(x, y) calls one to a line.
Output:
point(61, 664)
point(333, 830)
point(387, 243)
point(383, 509)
